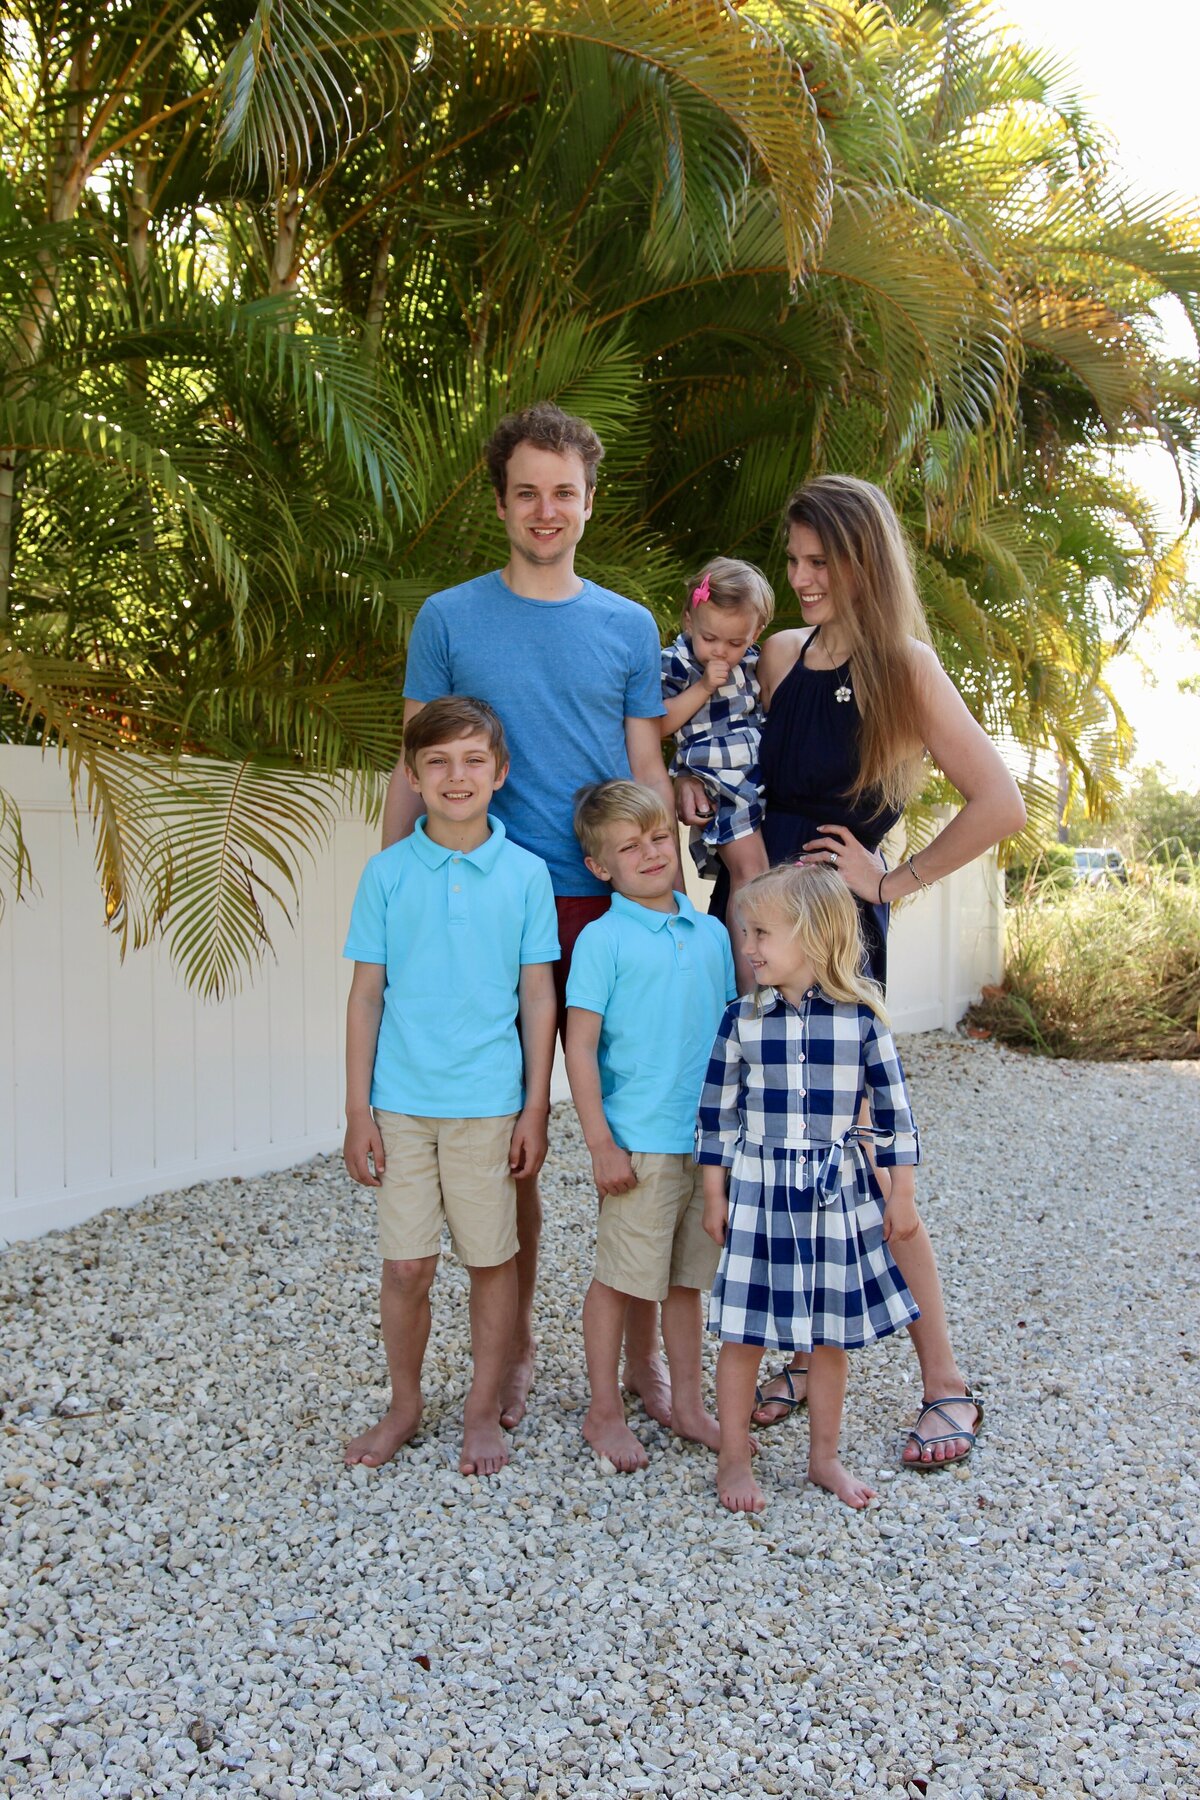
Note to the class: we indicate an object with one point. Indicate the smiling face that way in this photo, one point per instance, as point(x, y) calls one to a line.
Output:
point(808, 577)
point(546, 505)
point(456, 781)
point(639, 860)
point(721, 633)
point(777, 954)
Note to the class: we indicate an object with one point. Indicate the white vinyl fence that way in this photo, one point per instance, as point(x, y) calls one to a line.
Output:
point(116, 1082)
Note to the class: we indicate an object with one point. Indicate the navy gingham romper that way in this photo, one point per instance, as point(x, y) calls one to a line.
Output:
point(719, 746)
point(804, 1260)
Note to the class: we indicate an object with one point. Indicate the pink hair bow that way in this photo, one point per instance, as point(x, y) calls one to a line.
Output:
point(701, 593)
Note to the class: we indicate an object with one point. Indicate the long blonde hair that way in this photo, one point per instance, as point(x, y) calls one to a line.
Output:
point(868, 555)
point(818, 906)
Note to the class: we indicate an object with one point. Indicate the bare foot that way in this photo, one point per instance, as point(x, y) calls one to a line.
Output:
point(828, 1473)
point(700, 1427)
point(652, 1385)
point(484, 1446)
point(736, 1486)
point(964, 1413)
point(398, 1426)
point(613, 1439)
point(778, 1400)
point(514, 1389)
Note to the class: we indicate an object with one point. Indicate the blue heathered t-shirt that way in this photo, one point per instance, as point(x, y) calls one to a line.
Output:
point(564, 675)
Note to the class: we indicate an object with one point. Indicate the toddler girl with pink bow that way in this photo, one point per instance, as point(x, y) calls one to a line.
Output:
point(714, 712)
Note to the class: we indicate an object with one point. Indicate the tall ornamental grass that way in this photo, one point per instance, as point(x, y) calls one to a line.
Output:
point(1106, 974)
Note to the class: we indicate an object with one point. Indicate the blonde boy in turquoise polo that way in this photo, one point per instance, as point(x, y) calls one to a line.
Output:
point(453, 936)
point(648, 986)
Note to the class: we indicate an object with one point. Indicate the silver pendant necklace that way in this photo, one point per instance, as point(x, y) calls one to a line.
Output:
point(843, 693)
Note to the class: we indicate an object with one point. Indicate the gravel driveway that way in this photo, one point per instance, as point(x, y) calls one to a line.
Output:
point(198, 1600)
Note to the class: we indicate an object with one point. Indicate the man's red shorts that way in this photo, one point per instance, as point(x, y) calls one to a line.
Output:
point(574, 912)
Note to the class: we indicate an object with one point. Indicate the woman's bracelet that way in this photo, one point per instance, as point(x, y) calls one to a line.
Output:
point(911, 866)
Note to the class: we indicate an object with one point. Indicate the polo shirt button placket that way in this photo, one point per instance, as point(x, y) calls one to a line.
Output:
point(457, 909)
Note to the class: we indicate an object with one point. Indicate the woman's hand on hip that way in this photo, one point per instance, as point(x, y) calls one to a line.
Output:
point(858, 867)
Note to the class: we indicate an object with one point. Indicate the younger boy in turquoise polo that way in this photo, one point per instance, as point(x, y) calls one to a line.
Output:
point(453, 937)
point(648, 987)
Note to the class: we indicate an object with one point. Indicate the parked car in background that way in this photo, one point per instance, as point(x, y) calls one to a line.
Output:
point(1099, 866)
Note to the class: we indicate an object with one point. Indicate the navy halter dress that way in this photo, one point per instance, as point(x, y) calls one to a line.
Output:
point(809, 759)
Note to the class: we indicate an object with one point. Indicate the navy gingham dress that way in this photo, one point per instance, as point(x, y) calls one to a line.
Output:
point(804, 1260)
point(719, 746)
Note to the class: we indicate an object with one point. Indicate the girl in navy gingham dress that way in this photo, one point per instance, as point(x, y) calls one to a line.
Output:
point(804, 1227)
point(710, 688)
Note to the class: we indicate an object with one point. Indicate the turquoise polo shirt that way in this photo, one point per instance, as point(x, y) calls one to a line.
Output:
point(661, 982)
point(454, 928)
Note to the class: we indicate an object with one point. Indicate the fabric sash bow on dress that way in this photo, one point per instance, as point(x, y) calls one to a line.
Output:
point(827, 1178)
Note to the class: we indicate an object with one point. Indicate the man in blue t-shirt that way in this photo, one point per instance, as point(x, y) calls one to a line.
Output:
point(574, 673)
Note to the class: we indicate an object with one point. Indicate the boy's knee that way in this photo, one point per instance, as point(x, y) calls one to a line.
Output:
point(411, 1277)
point(493, 1272)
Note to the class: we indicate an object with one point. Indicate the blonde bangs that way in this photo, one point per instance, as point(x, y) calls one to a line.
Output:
point(820, 911)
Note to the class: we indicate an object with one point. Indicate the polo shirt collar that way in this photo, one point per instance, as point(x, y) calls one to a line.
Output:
point(434, 856)
point(648, 916)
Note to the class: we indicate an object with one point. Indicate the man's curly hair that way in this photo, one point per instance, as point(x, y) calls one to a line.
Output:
point(547, 427)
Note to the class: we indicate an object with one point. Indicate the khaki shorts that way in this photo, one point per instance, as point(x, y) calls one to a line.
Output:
point(653, 1238)
point(450, 1172)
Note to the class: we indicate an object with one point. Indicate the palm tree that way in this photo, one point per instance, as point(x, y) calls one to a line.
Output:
point(214, 477)
point(298, 257)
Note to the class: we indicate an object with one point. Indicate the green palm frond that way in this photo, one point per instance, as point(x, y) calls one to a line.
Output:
point(335, 390)
point(115, 443)
point(333, 723)
point(16, 869)
point(227, 841)
point(77, 711)
point(735, 67)
point(307, 78)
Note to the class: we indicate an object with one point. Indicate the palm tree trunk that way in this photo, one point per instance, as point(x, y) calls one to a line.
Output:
point(380, 283)
point(1064, 800)
point(139, 273)
point(285, 262)
point(67, 176)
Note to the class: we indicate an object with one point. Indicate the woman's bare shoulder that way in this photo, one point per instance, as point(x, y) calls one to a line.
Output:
point(780, 651)
point(778, 656)
point(791, 634)
point(926, 666)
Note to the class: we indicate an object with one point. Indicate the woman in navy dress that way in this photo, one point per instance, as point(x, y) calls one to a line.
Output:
point(856, 698)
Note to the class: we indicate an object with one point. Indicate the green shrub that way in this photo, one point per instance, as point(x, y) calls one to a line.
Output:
point(1104, 973)
point(1053, 868)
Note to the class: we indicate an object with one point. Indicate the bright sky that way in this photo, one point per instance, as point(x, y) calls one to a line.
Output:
point(1137, 65)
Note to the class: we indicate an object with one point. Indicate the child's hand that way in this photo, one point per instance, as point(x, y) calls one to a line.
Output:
point(363, 1150)
point(716, 1216)
point(613, 1171)
point(901, 1219)
point(716, 674)
point(527, 1151)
